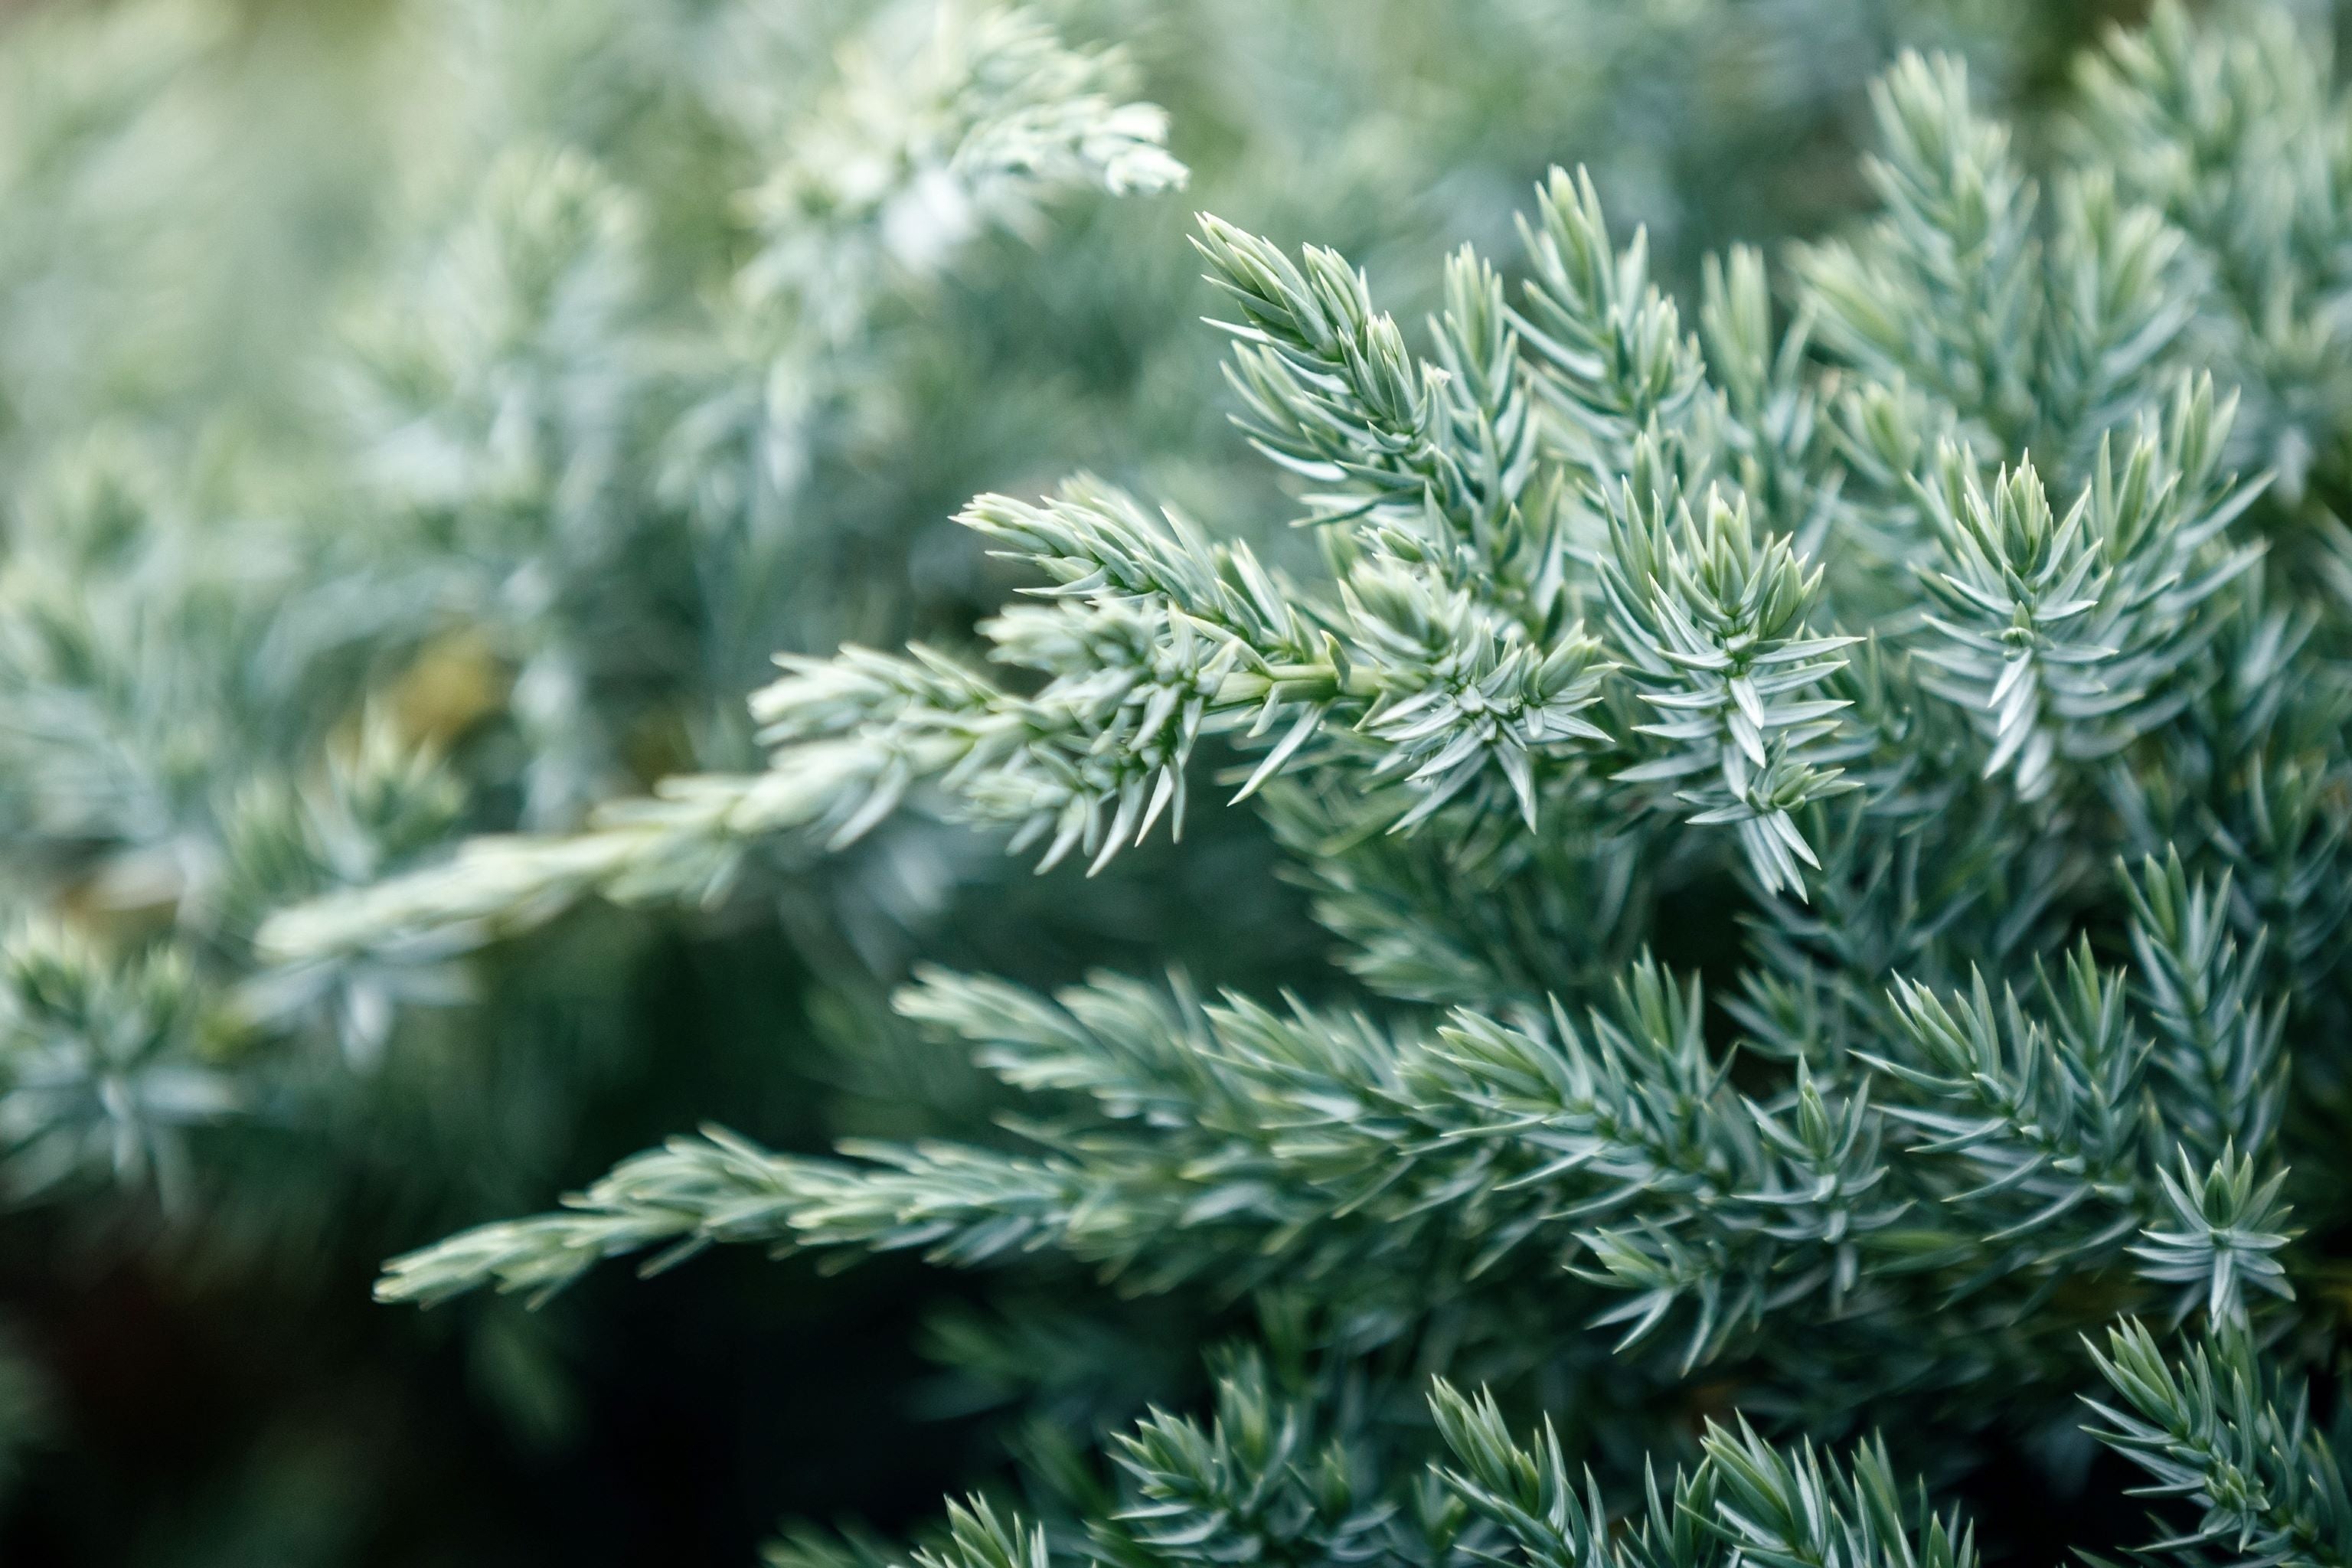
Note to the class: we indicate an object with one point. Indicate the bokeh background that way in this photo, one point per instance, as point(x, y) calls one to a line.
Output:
point(396, 439)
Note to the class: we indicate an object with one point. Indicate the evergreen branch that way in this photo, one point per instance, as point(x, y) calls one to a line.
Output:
point(1233, 1139)
point(1776, 444)
point(1332, 390)
point(978, 1537)
point(1940, 291)
point(2230, 133)
point(1712, 625)
point(2223, 1232)
point(2067, 637)
point(958, 1204)
point(1746, 1500)
point(1613, 362)
point(2222, 1048)
point(2216, 1430)
point(103, 1065)
point(1529, 1494)
point(906, 158)
point(1254, 1485)
point(1149, 636)
point(2121, 297)
point(1787, 1509)
point(2051, 1111)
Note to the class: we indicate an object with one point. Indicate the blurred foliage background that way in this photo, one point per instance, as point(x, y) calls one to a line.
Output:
point(420, 416)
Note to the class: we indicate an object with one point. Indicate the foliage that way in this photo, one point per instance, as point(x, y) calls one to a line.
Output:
point(1930, 647)
point(1593, 612)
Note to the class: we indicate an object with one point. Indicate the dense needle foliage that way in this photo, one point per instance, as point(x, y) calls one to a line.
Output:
point(1823, 774)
